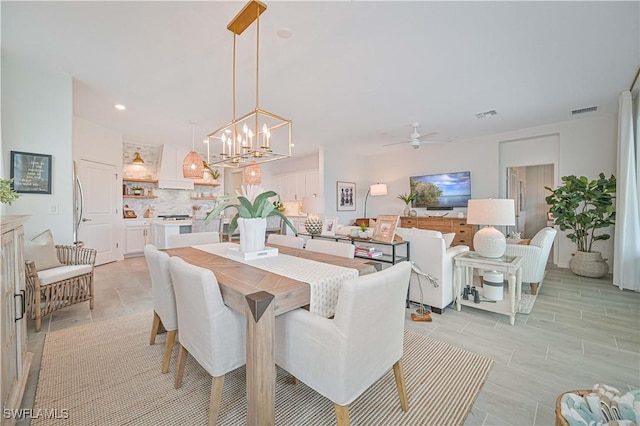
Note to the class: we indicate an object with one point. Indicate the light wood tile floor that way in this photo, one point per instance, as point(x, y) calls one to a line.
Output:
point(581, 332)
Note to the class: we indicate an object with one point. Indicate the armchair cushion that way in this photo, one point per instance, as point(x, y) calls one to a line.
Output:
point(42, 251)
point(448, 239)
point(52, 275)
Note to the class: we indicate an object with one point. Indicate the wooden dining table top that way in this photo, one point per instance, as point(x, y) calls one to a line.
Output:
point(238, 279)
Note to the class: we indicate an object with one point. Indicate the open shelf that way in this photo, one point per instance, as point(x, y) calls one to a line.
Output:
point(201, 183)
point(204, 198)
point(139, 196)
point(140, 180)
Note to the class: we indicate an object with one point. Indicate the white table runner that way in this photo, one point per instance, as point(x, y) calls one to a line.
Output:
point(323, 278)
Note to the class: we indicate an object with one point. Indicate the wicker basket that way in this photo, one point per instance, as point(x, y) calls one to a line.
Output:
point(561, 421)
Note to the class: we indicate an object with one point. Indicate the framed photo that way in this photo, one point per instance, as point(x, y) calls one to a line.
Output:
point(345, 196)
point(31, 172)
point(385, 228)
point(329, 226)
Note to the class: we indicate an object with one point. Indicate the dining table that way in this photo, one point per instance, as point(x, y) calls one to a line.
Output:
point(261, 295)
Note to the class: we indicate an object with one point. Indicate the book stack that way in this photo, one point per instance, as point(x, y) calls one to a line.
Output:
point(368, 251)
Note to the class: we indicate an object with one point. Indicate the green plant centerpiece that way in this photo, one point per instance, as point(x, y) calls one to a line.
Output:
point(137, 190)
point(584, 208)
point(7, 193)
point(253, 209)
point(408, 199)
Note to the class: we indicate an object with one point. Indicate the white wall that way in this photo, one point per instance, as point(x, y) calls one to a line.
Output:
point(586, 147)
point(37, 117)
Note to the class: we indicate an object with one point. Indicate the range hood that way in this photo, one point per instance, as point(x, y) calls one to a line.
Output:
point(170, 169)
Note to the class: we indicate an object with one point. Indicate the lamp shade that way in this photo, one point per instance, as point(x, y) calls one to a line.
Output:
point(313, 205)
point(491, 212)
point(378, 189)
point(192, 166)
point(253, 174)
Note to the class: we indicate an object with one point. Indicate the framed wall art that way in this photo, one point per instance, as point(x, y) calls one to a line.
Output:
point(345, 196)
point(31, 172)
point(385, 228)
point(329, 226)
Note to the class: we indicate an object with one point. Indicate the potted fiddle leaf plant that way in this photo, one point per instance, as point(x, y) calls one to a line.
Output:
point(253, 208)
point(585, 208)
point(408, 199)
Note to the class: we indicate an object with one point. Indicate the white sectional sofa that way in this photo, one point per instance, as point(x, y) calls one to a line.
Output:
point(429, 251)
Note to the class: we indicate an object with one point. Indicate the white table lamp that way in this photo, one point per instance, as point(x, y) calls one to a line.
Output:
point(313, 206)
point(488, 241)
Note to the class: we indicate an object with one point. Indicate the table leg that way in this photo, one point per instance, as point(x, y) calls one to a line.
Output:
point(512, 298)
point(519, 282)
point(456, 284)
point(261, 369)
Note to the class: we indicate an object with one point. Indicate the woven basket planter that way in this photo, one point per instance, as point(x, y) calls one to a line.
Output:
point(560, 420)
point(587, 264)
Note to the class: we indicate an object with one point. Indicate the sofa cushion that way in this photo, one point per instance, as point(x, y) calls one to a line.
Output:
point(42, 251)
point(426, 233)
point(448, 239)
point(64, 272)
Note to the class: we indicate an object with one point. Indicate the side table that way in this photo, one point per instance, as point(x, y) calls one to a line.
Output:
point(464, 264)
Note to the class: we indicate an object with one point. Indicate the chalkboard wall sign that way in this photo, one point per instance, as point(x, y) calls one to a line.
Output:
point(31, 172)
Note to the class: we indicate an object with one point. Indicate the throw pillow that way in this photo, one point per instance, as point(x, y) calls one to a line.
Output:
point(524, 242)
point(448, 239)
point(42, 251)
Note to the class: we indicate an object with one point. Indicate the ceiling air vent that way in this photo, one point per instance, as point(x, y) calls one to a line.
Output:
point(583, 110)
point(486, 114)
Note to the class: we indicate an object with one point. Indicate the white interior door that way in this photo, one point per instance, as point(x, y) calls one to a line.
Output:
point(100, 211)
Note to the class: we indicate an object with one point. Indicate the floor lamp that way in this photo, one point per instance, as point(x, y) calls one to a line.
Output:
point(374, 190)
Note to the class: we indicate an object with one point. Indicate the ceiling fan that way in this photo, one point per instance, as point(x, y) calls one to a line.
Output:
point(415, 139)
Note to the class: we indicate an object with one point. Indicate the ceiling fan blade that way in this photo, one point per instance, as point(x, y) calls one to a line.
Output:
point(427, 135)
point(436, 140)
point(397, 143)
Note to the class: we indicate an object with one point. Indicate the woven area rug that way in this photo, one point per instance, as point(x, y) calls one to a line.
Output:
point(107, 373)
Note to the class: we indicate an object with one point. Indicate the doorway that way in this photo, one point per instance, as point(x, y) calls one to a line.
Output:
point(96, 209)
point(526, 186)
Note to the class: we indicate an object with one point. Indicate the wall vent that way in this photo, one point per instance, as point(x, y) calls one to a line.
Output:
point(486, 114)
point(584, 110)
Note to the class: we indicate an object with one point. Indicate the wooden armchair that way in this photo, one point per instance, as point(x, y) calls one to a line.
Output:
point(55, 288)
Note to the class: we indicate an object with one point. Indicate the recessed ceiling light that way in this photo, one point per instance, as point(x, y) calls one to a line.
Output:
point(120, 107)
point(284, 33)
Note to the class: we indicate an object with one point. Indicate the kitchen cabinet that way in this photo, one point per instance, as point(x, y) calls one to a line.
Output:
point(295, 186)
point(14, 358)
point(298, 222)
point(137, 235)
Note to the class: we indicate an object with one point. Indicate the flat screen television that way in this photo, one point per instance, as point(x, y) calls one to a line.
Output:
point(442, 191)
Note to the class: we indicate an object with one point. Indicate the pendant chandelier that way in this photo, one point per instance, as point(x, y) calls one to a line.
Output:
point(192, 165)
point(253, 174)
point(258, 136)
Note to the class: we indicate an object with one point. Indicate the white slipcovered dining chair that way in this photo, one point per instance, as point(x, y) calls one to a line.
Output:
point(535, 256)
point(341, 357)
point(214, 334)
point(331, 247)
point(193, 239)
point(286, 240)
point(164, 302)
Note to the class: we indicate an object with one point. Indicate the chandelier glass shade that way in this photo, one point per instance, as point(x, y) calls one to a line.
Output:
point(258, 136)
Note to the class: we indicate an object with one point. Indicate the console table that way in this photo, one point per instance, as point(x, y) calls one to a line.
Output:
point(464, 264)
point(393, 257)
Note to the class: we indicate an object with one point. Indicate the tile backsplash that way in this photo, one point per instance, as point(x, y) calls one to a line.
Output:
point(168, 201)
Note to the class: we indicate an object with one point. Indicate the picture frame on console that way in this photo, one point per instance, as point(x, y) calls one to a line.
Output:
point(385, 229)
point(345, 196)
point(329, 226)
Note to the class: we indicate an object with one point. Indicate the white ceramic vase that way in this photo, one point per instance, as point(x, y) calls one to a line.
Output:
point(252, 234)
